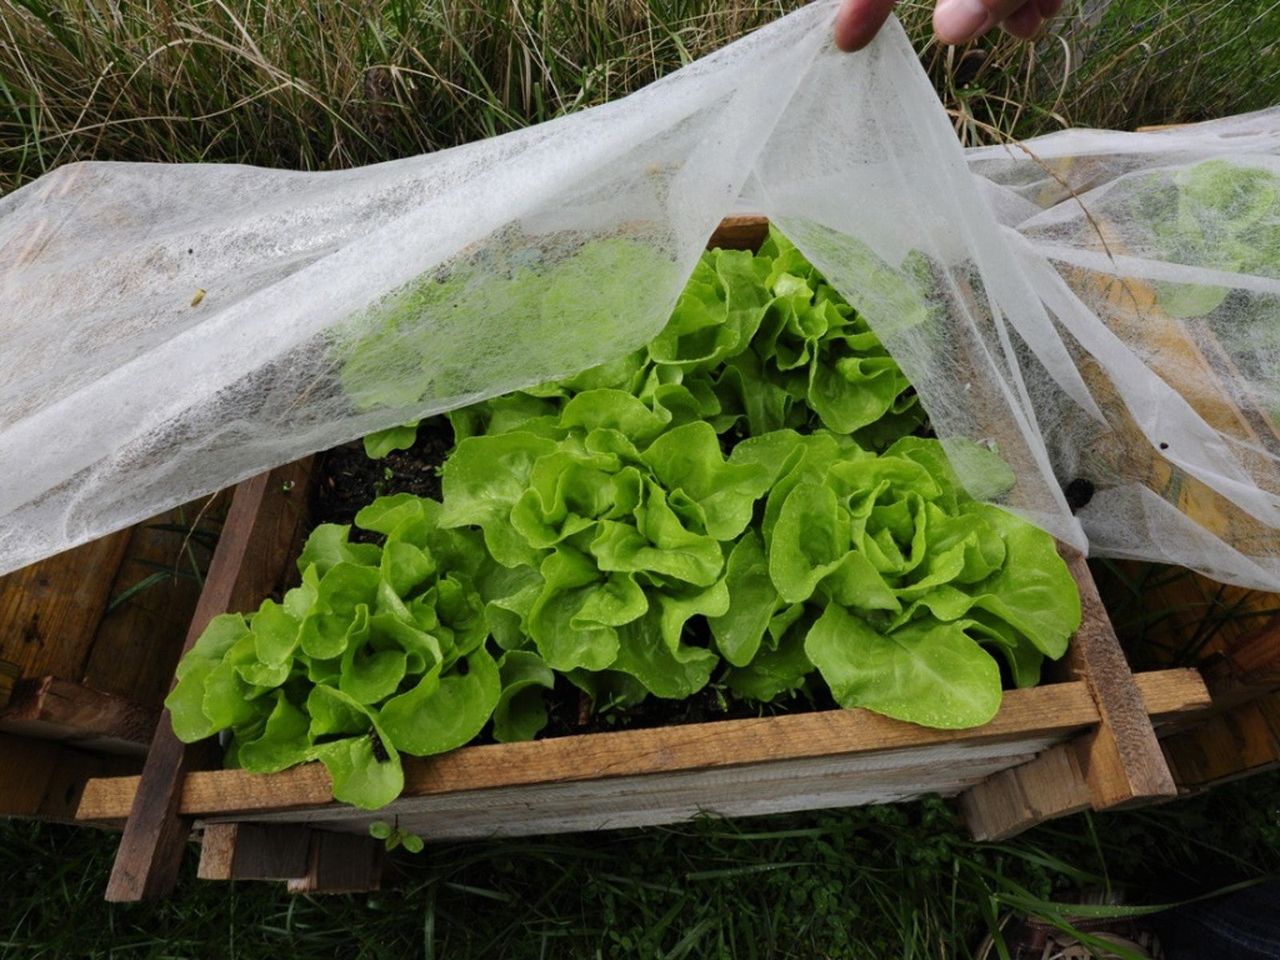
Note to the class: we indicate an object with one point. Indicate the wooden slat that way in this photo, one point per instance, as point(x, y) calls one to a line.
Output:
point(740, 233)
point(52, 709)
point(1059, 708)
point(136, 646)
point(44, 780)
point(637, 801)
point(50, 610)
point(1240, 741)
point(251, 851)
point(1054, 784)
point(1121, 758)
point(341, 863)
point(262, 527)
point(1048, 713)
point(777, 786)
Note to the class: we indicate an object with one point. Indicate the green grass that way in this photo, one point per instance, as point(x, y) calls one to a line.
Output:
point(339, 83)
point(872, 883)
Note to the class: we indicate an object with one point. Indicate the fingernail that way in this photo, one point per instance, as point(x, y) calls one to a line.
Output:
point(956, 21)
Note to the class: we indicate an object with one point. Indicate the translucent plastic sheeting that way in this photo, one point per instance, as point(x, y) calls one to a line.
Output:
point(168, 330)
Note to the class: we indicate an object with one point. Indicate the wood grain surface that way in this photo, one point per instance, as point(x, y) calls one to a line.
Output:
point(49, 708)
point(50, 610)
point(253, 851)
point(1028, 721)
point(1121, 757)
point(263, 524)
point(136, 645)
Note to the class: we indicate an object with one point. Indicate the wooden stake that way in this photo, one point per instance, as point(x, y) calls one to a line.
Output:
point(266, 516)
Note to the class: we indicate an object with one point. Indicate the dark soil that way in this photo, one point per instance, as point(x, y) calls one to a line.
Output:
point(569, 711)
point(347, 480)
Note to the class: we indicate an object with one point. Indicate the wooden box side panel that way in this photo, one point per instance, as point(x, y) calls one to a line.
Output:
point(655, 799)
point(136, 645)
point(55, 621)
point(1039, 714)
point(44, 781)
point(1028, 721)
point(50, 610)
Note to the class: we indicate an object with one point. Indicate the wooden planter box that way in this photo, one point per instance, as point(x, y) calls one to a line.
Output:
point(81, 679)
point(1086, 739)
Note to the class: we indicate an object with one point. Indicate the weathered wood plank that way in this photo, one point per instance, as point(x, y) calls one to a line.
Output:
point(251, 851)
point(1121, 757)
point(136, 646)
point(1042, 714)
point(636, 801)
point(341, 863)
point(44, 780)
point(1056, 709)
point(48, 708)
point(50, 610)
point(264, 521)
point(218, 851)
point(1052, 785)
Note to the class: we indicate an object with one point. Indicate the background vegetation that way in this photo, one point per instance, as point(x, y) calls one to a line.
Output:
point(876, 883)
point(334, 83)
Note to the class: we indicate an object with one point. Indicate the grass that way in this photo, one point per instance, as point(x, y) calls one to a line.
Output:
point(872, 884)
point(347, 82)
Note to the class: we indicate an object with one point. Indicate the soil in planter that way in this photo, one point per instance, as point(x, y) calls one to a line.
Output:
point(347, 480)
point(569, 710)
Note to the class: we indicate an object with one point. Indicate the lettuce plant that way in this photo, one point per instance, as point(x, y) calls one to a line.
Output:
point(420, 342)
point(614, 528)
point(382, 650)
point(799, 552)
point(894, 583)
point(757, 342)
point(1216, 215)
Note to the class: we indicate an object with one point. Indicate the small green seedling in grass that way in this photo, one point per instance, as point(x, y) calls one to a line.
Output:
point(395, 837)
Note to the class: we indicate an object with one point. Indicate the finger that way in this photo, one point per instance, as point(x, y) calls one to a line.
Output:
point(857, 21)
point(959, 21)
point(1024, 23)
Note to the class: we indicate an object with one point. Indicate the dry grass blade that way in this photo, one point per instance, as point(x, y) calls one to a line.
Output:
point(349, 82)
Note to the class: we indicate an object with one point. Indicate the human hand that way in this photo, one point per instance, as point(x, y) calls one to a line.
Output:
point(954, 21)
